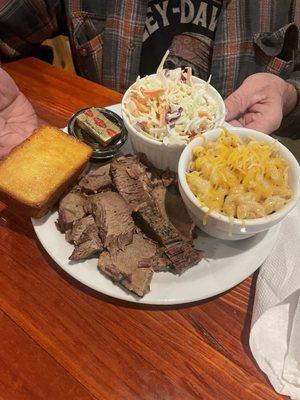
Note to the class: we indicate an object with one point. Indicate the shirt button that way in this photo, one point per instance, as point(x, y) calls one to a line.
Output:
point(131, 46)
point(83, 52)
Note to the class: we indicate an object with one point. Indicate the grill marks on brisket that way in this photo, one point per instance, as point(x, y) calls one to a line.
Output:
point(182, 256)
point(131, 267)
point(134, 184)
point(156, 226)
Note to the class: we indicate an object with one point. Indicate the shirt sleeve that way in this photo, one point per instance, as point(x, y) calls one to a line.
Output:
point(17, 116)
point(24, 25)
point(291, 122)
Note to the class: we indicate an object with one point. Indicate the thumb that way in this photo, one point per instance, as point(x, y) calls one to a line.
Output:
point(240, 101)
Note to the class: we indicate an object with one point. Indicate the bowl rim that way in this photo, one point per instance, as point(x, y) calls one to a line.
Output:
point(154, 141)
point(246, 132)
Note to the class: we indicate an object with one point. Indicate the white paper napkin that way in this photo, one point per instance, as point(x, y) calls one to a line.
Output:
point(275, 331)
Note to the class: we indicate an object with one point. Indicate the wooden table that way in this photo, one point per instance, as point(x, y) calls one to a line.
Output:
point(61, 340)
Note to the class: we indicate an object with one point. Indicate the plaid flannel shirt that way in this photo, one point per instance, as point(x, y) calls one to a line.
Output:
point(106, 37)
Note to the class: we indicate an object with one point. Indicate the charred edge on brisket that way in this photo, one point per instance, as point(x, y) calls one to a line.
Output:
point(182, 256)
point(157, 227)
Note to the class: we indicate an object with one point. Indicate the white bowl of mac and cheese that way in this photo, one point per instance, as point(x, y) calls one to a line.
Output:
point(238, 183)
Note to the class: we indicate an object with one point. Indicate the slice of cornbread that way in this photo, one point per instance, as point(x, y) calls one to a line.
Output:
point(36, 173)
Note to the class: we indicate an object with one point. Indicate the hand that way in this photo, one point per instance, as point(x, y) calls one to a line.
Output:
point(261, 102)
point(17, 117)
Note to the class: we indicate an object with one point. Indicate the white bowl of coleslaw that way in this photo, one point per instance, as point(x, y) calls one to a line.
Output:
point(217, 224)
point(164, 111)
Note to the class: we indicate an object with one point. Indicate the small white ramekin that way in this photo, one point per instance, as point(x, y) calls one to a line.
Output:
point(160, 155)
point(218, 225)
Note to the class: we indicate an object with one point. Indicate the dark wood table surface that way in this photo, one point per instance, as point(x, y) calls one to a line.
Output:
point(61, 340)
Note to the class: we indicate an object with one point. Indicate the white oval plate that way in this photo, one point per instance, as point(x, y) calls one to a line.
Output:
point(226, 264)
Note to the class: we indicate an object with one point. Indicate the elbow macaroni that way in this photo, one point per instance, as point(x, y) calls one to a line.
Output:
point(240, 180)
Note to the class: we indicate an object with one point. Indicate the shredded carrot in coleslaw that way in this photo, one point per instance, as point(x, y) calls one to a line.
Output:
point(171, 107)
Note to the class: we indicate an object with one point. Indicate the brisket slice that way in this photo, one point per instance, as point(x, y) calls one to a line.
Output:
point(180, 252)
point(169, 178)
point(158, 176)
point(86, 239)
point(70, 209)
point(158, 228)
point(134, 184)
point(96, 180)
point(73, 235)
point(172, 207)
point(132, 266)
point(182, 256)
point(163, 263)
point(113, 218)
point(132, 181)
point(89, 245)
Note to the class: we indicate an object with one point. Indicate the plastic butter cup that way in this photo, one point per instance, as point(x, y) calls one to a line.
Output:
point(100, 152)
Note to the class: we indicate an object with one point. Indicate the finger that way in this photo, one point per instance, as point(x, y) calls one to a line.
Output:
point(266, 118)
point(235, 122)
point(241, 100)
point(265, 124)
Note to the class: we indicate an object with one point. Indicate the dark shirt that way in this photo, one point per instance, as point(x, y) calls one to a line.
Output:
point(106, 37)
point(186, 28)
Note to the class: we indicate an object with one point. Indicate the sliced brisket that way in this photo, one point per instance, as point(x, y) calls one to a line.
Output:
point(132, 266)
point(79, 226)
point(182, 256)
point(172, 207)
point(156, 226)
point(71, 208)
point(163, 263)
point(88, 248)
point(134, 184)
point(113, 217)
point(132, 181)
point(169, 178)
point(86, 238)
point(96, 180)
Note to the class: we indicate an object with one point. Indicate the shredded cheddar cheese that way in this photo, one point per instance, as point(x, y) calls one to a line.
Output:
point(241, 180)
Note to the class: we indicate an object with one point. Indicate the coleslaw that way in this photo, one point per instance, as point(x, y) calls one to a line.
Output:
point(171, 107)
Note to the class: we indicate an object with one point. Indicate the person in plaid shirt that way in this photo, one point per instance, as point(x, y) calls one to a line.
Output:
point(254, 49)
